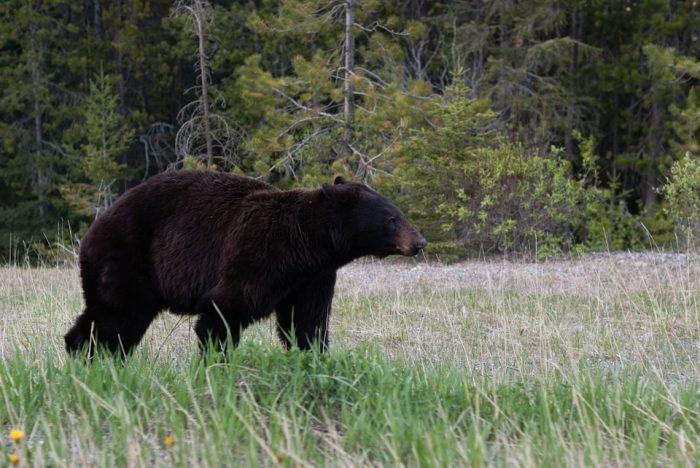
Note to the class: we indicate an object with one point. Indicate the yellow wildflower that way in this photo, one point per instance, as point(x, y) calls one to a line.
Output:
point(14, 458)
point(16, 435)
point(169, 440)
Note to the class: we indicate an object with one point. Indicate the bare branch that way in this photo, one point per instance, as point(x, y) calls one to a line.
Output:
point(377, 25)
point(307, 108)
point(202, 132)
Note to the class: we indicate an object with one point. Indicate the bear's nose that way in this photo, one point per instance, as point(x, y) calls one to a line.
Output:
point(421, 243)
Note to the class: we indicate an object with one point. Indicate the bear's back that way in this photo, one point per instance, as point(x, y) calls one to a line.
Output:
point(193, 186)
point(187, 197)
point(173, 226)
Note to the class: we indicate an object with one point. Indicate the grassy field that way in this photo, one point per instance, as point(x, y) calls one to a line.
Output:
point(588, 362)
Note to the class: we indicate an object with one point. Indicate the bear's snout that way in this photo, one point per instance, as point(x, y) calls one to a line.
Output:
point(412, 244)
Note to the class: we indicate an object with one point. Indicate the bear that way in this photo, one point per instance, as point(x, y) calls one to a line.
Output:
point(231, 250)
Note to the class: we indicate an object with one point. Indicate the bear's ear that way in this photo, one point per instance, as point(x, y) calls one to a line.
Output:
point(340, 196)
point(340, 180)
point(328, 191)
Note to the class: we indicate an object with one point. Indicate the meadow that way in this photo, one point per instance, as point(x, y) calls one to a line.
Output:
point(589, 361)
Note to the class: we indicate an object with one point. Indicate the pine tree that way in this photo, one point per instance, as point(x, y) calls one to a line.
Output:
point(94, 167)
point(330, 111)
point(31, 115)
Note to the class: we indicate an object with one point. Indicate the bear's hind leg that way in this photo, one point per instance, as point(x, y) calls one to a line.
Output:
point(119, 307)
point(285, 329)
point(119, 333)
point(80, 334)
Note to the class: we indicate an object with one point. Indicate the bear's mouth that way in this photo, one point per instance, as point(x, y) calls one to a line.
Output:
point(413, 249)
point(410, 251)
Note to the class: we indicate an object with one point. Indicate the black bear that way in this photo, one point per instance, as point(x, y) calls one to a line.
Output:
point(230, 249)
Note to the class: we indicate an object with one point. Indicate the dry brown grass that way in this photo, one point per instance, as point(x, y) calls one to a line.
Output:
point(501, 319)
point(632, 311)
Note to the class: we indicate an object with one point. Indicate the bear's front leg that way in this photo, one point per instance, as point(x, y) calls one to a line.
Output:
point(303, 316)
point(220, 317)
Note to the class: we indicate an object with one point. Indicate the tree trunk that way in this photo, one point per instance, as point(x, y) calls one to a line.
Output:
point(97, 19)
point(199, 17)
point(349, 104)
point(36, 159)
point(655, 148)
point(576, 35)
point(118, 45)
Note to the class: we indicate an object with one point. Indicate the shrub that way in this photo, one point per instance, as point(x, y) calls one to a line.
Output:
point(605, 222)
point(682, 192)
point(516, 201)
point(467, 186)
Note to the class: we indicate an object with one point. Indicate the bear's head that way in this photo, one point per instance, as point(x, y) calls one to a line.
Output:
point(368, 223)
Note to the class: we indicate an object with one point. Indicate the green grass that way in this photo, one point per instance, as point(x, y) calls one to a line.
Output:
point(570, 363)
point(266, 406)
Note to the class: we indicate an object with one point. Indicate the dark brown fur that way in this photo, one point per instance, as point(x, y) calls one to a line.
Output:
point(218, 245)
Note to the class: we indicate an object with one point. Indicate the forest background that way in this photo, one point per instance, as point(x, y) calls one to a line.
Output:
point(499, 126)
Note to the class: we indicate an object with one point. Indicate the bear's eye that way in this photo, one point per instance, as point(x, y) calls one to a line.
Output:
point(392, 224)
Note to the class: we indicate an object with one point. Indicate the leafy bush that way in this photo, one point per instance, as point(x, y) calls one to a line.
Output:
point(466, 184)
point(516, 201)
point(430, 166)
point(682, 192)
point(605, 222)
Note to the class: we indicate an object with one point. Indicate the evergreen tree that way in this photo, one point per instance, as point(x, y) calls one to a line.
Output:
point(94, 168)
point(328, 113)
point(310, 105)
point(31, 115)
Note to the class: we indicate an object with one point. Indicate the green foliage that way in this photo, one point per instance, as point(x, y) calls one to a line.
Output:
point(291, 407)
point(32, 118)
point(467, 180)
point(533, 72)
point(605, 222)
point(302, 107)
point(430, 166)
point(93, 162)
point(682, 192)
point(191, 164)
point(682, 187)
point(687, 125)
point(467, 185)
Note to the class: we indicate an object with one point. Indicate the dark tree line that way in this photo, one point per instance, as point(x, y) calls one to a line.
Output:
point(96, 96)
